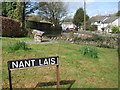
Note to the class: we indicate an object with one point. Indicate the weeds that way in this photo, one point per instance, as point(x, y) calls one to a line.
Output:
point(90, 51)
point(18, 46)
point(95, 38)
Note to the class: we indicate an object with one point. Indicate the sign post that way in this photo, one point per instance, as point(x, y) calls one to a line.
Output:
point(35, 62)
point(58, 78)
point(10, 80)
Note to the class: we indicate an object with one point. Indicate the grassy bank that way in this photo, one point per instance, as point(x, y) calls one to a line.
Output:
point(80, 71)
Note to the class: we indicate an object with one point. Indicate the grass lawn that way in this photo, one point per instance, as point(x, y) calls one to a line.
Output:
point(86, 72)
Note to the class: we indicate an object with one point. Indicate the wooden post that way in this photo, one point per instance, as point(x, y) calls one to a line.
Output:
point(58, 78)
point(10, 80)
point(84, 14)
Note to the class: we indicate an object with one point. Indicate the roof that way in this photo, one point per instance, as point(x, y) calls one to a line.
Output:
point(98, 18)
point(105, 19)
point(111, 19)
point(40, 22)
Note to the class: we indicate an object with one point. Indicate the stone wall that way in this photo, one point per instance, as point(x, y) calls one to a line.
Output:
point(100, 40)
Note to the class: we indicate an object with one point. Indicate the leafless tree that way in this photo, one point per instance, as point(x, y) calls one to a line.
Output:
point(52, 11)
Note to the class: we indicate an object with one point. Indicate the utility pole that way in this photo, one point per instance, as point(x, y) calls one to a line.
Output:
point(84, 14)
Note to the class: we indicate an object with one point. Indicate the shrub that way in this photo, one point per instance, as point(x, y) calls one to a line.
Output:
point(97, 38)
point(30, 32)
point(90, 51)
point(18, 45)
point(11, 27)
point(48, 28)
point(94, 38)
point(77, 39)
point(56, 30)
point(42, 26)
point(115, 29)
point(91, 28)
point(32, 24)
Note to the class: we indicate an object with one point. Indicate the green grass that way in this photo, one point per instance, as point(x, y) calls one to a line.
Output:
point(101, 72)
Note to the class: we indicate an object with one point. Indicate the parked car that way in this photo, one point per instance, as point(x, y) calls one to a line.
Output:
point(70, 29)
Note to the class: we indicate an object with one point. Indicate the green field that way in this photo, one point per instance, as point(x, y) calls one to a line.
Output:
point(76, 70)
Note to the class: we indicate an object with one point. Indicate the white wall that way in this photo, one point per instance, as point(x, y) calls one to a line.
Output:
point(101, 26)
point(115, 23)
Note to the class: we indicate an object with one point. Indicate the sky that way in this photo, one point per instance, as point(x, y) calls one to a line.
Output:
point(93, 8)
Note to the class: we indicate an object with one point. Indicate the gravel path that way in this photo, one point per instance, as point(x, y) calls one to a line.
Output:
point(37, 42)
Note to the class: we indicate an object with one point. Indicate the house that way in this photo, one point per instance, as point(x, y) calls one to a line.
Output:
point(66, 25)
point(110, 22)
point(105, 23)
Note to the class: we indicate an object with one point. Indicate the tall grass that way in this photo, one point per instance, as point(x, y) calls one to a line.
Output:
point(90, 51)
point(18, 46)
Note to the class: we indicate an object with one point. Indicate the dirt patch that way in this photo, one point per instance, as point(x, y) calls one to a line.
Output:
point(43, 42)
point(86, 62)
point(48, 78)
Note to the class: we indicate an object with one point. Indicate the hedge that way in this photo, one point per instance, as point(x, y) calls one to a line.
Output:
point(48, 28)
point(11, 27)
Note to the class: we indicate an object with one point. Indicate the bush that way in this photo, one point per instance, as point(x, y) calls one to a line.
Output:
point(95, 38)
point(11, 27)
point(32, 24)
point(90, 51)
point(91, 28)
point(56, 30)
point(18, 45)
point(78, 39)
point(48, 28)
point(115, 29)
point(42, 26)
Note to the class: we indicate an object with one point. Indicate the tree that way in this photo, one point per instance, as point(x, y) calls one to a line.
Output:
point(4, 11)
point(18, 10)
point(52, 11)
point(10, 9)
point(79, 17)
point(118, 13)
point(30, 7)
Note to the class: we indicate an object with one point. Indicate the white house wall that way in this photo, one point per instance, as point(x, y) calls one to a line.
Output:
point(106, 24)
point(99, 28)
point(102, 26)
point(115, 23)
